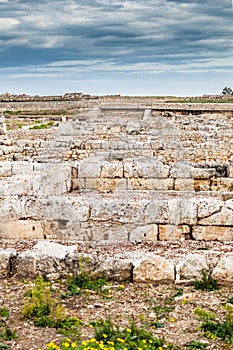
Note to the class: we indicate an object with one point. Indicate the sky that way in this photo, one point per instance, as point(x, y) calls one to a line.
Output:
point(127, 47)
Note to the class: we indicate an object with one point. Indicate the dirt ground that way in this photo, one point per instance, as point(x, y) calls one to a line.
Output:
point(121, 303)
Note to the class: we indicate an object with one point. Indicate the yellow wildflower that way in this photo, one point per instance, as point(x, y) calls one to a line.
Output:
point(120, 340)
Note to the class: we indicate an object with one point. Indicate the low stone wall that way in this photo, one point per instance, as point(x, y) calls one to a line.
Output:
point(53, 261)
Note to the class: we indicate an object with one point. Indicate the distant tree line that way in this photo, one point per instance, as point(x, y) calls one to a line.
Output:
point(227, 91)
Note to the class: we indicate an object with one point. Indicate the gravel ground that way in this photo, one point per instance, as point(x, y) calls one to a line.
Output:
point(134, 300)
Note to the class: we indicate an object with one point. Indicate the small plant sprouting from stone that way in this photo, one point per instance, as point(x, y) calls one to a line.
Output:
point(206, 283)
point(77, 284)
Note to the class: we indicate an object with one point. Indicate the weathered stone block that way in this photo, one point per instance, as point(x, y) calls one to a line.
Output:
point(111, 170)
point(221, 218)
point(145, 167)
point(190, 268)
point(21, 229)
point(6, 255)
point(202, 185)
point(144, 233)
point(150, 184)
point(108, 232)
point(90, 167)
point(223, 272)
point(52, 179)
point(25, 265)
point(188, 171)
point(184, 185)
point(74, 209)
point(156, 211)
point(45, 247)
point(117, 210)
point(213, 233)
point(55, 261)
point(22, 167)
point(208, 206)
point(114, 269)
point(155, 269)
point(222, 184)
point(109, 185)
point(182, 211)
point(174, 233)
point(5, 169)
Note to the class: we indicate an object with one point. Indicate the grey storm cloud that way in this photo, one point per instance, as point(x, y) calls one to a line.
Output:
point(135, 35)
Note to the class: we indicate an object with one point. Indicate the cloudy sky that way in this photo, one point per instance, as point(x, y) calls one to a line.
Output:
point(131, 47)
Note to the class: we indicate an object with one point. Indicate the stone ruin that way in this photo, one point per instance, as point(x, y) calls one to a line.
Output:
point(3, 129)
point(120, 173)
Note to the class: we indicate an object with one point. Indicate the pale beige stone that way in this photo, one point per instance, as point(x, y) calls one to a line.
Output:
point(174, 233)
point(144, 233)
point(222, 184)
point(110, 185)
point(221, 218)
point(150, 184)
point(156, 269)
point(182, 210)
point(201, 185)
point(21, 229)
point(231, 170)
point(223, 272)
point(208, 206)
point(5, 169)
point(190, 268)
point(5, 262)
point(114, 269)
point(184, 185)
point(213, 233)
point(111, 170)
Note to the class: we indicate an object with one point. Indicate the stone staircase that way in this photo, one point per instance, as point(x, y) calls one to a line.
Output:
point(116, 174)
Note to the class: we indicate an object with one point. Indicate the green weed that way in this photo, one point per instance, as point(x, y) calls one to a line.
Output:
point(4, 346)
point(45, 309)
point(132, 337)
point(222, 330)
point(195, 344)
point(204, 314)
point(8, 334)
point(4, 312)
point(207, 282)
point(162, 311)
